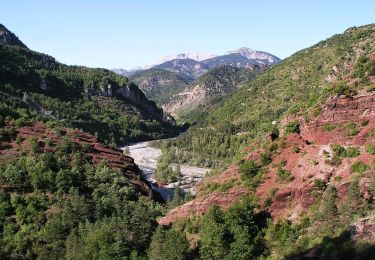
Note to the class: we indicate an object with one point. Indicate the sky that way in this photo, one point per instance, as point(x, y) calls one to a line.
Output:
point(130, 33)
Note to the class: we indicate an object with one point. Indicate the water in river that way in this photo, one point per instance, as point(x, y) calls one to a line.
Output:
point(146, 157)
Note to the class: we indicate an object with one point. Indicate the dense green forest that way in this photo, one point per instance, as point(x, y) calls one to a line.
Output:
point(95, 100)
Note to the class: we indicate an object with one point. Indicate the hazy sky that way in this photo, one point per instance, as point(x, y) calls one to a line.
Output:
point(129, 33)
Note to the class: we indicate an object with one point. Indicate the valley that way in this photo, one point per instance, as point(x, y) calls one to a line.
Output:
point(146, 156)
point(238, 155)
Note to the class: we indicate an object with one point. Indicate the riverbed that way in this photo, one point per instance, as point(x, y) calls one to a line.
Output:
point(146, 156)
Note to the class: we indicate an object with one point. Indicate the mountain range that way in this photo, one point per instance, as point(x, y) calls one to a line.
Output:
point(173, 83)
point(192, 65)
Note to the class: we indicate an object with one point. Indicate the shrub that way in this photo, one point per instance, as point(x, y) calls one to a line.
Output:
point(338, 150)
point(320, 184)
point(35, 148)
point(226, 186)
point(359, 167)
point(343, 89)
point(352, 129)
point(352, 152)
point(284, 175)
point(370, 148)
point(334, 161)
point(292, 127)
point(296, 149)
point(265, 158)
point(329, 127)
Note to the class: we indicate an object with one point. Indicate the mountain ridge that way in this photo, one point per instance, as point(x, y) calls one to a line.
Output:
point(248, 56)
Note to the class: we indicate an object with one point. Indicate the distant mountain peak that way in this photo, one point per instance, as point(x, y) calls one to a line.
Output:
point(255, 55)
point(198, 56)
point(9, 38)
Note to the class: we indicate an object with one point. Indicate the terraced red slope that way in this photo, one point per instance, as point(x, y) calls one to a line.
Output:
point(307, 163)
point(97, 151)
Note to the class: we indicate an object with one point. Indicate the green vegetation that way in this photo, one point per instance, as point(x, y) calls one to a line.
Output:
point(342, 152)
point(352, 129)
point(359, 167)
point(61, 205)
point(329, 127)
point(79, 97)
point(247, 115)
point(160, 85)
point(284, 175)
point(370, 148)
point(251, 173)
point(292, 127)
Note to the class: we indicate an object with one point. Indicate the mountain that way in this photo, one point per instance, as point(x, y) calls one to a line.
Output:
point(61, 186)
point(190, 55)
point(193, 65)
point(209, 89)
point(9, 38)
point(159, 85)
point(171, 84)
point(241, 58)
point(95, 100)
point(299, 141)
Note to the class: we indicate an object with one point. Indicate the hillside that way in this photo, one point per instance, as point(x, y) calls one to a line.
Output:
point(159, 85)
point(60, 186)
point(309, 165)
point(95, 100)
point(9, 38)
point(209, 89)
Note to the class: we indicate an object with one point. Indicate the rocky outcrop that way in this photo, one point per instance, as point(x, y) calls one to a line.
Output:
point(133, 94)
point(363, 229)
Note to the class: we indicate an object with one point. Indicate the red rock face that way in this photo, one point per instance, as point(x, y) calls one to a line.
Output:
point(307, 165)
point(98, 152)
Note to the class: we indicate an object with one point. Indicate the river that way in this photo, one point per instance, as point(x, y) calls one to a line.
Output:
point(146, 156)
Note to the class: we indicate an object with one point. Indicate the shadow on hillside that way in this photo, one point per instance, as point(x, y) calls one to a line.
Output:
point(341, 247)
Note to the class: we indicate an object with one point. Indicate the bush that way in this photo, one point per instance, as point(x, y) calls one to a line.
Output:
point(334, 161)
point(359, 167)
point(352, 129)
point(265, 158)
point(352, 152)
point(338, 150)
point(320, 184)
point(292, 127)
point(284, 175)
point(251, 173)
point(370, 148)
point(296, 149)
point(329, 127)
point(343, 89)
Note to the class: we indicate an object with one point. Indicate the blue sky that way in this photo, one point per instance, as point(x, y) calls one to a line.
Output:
point(125, 34)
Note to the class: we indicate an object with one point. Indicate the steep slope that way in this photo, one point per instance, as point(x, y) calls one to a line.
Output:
point(298, 84)
point(96, 100)
point(9, 38)
point(327, 135)
point(59, 186)
point(308, 166)
point(159, 85)
point(209, 89)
